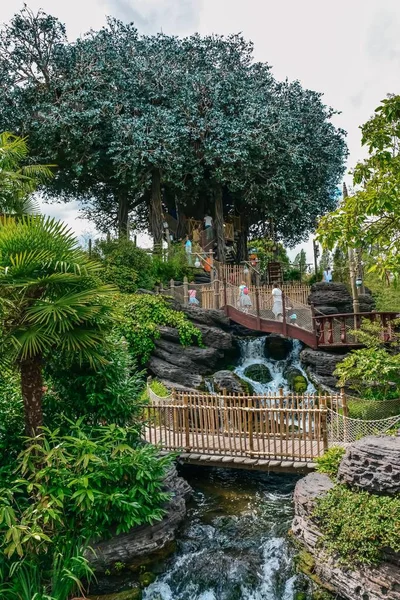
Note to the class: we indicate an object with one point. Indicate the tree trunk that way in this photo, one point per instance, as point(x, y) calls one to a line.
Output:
point(156, 212)
point(32, 393)
point(219, 224)
point(123, 215)
point(242, 250)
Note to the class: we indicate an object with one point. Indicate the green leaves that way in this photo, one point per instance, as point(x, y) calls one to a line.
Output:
point(358, 527)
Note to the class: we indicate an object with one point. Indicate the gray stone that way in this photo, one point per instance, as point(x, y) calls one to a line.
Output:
point(373, 464)
point(145, 540)
point(326, 296)
point(226, 380)
point(327, 310)
point(216, 338)
point(166, 371)
point(363, 583)
point(204, 316)
point(278, 347)
point(321, 363)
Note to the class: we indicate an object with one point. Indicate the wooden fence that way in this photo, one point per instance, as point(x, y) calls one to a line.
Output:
point(274, 426)
point(212, 296)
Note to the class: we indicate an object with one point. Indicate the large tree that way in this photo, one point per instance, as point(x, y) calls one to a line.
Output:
point(369, 219)
point(135, 122)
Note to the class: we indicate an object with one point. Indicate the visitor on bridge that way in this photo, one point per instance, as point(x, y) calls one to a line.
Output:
point(327, 275)
point(277, 306)
point(244, 297)
point(188, 250)
point(192, 295)
point(208, 223)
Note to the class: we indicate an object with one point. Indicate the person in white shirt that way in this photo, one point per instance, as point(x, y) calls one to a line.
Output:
point(327, 275)
point(188, 250)
point(277, 306)
point(208, 223)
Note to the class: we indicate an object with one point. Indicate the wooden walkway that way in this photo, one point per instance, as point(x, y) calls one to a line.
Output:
point(275, 432)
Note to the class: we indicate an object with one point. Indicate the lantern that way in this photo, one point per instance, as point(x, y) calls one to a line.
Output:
point(197, 263)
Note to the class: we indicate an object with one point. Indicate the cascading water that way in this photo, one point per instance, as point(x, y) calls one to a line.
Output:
point(253, 352)
point(234, 545)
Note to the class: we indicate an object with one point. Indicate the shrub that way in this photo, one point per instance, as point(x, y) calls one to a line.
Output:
point(109, 394)
point(329, 462)
point(11, 417)
point(125, 265)
point(158, 388)
point(175, 266)
point(357, 527)
point(143, 314)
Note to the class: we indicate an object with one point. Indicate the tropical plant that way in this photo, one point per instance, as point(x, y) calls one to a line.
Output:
point(54, 302)
point(370, 218)
point(18, 180)
point(330, 460)
point(143, 314)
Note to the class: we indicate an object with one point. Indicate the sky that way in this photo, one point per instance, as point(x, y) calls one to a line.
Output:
point(349, 50)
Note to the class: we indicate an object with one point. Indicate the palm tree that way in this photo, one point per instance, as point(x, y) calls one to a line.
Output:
point(51, 300)
point(18, 181)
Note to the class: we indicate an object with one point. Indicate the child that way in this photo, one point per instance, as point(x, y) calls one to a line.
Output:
point(244, 298)
point(192, 295)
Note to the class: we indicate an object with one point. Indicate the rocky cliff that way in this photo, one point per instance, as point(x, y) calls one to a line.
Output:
point(369, 464)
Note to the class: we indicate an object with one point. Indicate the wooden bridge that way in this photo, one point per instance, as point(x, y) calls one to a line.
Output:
point(274, 432)
point(298, 320)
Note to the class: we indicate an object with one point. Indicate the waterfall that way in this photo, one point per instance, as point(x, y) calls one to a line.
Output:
point(252, 352)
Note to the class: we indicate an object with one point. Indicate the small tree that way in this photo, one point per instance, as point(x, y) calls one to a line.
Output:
point(53, 301)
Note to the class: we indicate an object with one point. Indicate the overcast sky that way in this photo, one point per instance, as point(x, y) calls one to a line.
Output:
point(349, 49)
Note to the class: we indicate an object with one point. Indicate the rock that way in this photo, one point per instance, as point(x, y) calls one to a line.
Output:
point(206, 316)
point(216, 338)
point(132, 594)
point(299, 384)
point(327, 310)
point(165, 370)
point(192, 358)
point(145, 540)
point(277, 347)
point(226, 380)
point(363, 583)
point(259, 373)
point(373, 464)
point(321, 363)
point(329, 296)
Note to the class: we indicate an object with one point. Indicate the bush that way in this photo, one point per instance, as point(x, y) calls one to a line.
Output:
point(11, 417)
point(357, 527)
point(329, 462)
point(143, 314)
point(158, 388)
point(109, 394)
point(175, 266)
point(125, 265)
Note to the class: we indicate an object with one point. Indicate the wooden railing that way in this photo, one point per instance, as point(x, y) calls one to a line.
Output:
point(338, 329)
point(296, 293)
point(282, 426)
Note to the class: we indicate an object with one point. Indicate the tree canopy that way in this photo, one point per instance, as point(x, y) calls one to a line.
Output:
point(138, 124)
point(370, 218)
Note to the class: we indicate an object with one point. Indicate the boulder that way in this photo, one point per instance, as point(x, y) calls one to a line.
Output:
point(226, 380)
point(373, 464)
point(277, 347)
point(326, 310)
point(166, 371)
point(321, 363)
point(258, 372)
point(195, 356)
point(216, 338)
point(206, 316)
point(363, 583)
point(140, 542)
point(331, 294)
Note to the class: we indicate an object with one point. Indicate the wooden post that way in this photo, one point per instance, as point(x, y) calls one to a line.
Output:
point(225, 298)
point(185, 291)
point(216, 293)
point(90, 247)
point(250, 424)
point(324, 422)
point(186, 422)
point(284, 323)
point(172, 287)
point(314, 323)
point(258, 307)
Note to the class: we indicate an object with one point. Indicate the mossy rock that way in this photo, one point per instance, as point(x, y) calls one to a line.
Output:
point(145, 579)
point(299, 384)
point(259, 373)
point(133, 594)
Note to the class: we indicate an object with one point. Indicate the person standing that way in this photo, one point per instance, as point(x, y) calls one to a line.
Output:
point(188, 250)
point(208, 223)
point(277, 305)
point(327, 275)
point(244, 297)
point(192, 295)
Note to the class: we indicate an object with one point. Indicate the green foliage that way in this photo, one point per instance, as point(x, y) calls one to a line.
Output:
point(370, 218)
point(125, 266)
point(173, 266)
point(329, 462)
point(18, 180)
point(340, 266)
point(142, 141)
point(158, 388)
point(325, 260)
point(371, 372)
point(11, 418)
point(357, 527)
point(84, 484)
point(386, 295)
point(142, 316)
point(109, 394)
